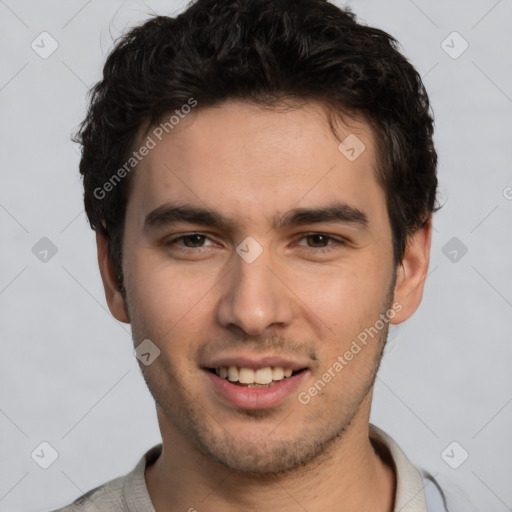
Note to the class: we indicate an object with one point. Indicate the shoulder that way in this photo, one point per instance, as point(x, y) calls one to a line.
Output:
point(417, 489)
point(435, 497)
point(445, 497)
point(106, 497)
point(126, 493)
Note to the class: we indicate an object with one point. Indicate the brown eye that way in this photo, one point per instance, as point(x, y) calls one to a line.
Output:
point(195, 240)
point(319, 241)
point(189, 241)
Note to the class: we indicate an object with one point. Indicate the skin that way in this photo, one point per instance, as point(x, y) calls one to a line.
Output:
point(294, 300)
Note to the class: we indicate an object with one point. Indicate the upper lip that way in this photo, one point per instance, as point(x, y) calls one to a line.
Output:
point(256, 362)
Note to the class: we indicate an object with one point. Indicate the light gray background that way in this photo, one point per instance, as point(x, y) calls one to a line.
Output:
point(68, 376)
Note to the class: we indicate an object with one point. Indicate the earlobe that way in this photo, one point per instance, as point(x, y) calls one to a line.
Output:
point(115, 300)
point(412, 273)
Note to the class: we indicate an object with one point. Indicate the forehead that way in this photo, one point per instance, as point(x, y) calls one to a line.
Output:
point(250, 162)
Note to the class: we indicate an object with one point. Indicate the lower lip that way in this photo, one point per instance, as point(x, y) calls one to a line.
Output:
point(256, 398)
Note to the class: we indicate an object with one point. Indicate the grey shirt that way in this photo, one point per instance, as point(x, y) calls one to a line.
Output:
point(415, 492)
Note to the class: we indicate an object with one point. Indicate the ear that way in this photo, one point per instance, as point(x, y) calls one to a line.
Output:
point(412, 273)
point(114, 297)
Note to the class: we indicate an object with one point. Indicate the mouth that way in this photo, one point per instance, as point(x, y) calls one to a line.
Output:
point(265, 377)
point(256, 388)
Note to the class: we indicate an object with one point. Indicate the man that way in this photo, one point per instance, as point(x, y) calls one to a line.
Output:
point(261, 177)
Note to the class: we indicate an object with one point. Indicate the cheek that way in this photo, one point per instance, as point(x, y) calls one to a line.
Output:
point(345, 296)
point(167, 299)
point(347, 306)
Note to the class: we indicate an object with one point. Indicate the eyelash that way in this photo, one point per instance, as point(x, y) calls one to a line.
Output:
point(332, 246)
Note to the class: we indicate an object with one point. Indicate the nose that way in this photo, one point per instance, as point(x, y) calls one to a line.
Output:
point(255, 297)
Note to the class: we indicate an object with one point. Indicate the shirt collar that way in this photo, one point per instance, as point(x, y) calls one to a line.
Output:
point(409, 496)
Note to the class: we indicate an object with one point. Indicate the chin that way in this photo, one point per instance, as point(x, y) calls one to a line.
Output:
point(266, 458)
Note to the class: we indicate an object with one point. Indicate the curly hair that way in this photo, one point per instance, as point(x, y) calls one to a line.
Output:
point(265, 52)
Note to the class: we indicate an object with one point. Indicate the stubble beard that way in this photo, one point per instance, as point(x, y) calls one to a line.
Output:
point(270, 456)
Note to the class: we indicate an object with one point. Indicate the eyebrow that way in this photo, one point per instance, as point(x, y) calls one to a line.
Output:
point(171, 213)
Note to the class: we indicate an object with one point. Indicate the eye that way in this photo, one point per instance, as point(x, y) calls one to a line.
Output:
point(189, 241)
point(320, 241)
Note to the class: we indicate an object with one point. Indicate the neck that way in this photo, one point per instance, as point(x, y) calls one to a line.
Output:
point(351, 476)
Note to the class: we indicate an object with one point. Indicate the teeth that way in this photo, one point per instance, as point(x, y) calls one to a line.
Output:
point(233, 374)
point(263, 376)
point(249, 376)
point(277, 373)
point(246, 376)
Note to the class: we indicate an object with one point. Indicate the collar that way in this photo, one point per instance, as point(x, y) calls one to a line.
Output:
point(409, 495)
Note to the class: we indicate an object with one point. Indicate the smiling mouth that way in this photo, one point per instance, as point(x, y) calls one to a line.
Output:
point(260, 378)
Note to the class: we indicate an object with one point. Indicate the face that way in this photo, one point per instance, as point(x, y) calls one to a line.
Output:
point(254, 248)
